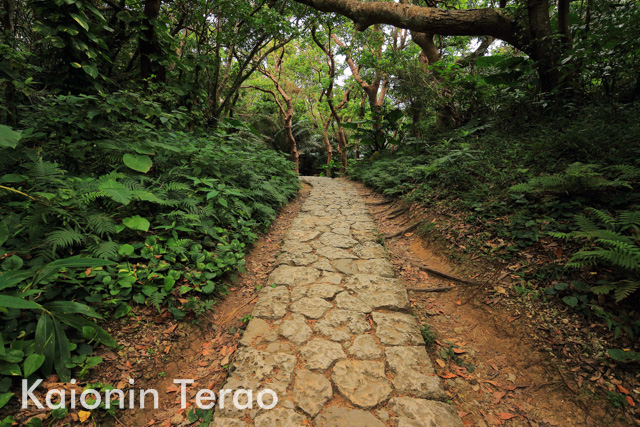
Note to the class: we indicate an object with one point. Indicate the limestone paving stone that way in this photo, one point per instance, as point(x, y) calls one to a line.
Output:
point(281, 417)
point(337, 241)
point(302, 235)
point(365, 347)
point(334, 253)
point(311, 391)
point(346, 266)
point(397, 329)
point(293, 276)
point(293, 246)
point(272, 303)
point(295, 329)
point(349, 302)
point(333, 278)
point(299, 259)
point(335, 416)
point(311, 307)
point(323, 290)
point(378, 266)
point(320, 354)
point(258, 332)
point(412, 412)
point(379, 292)
point(322, 264)
point(414, 373)
point(361, 382)
point(228, 422)
point(341, 325)
point(369, 250)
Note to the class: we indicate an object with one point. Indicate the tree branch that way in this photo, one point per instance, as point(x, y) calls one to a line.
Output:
point(467, 22)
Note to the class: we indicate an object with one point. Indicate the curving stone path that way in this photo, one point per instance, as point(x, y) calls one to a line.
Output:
point(332, 334)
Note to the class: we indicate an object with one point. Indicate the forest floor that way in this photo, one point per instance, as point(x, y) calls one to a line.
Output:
point(492, 349)
point(487, 348)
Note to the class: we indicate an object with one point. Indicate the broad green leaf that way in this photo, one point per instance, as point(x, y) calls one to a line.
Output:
point(76, 65)
point(4, 398)
point(138, 162)
point(12, 278)
point(126, 249)
point(80, 262)
point(570, 301)
point(9, 138)
point(4, 233)
point(620, 355)
point(14, 262)
point(13, 178)
point(63, 353)
point(136, 223)
point(79, 323)
point(12, 369)
point(15, 302)
point(32, 363)
point(80, 21)
point(92, 70)
point(45, 342)
point(56, 42)
point(71, 307)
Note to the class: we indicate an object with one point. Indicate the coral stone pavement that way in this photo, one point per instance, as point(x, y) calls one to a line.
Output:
point(332, 333)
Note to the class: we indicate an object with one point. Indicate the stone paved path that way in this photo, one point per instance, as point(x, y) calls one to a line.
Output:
point(332, 334)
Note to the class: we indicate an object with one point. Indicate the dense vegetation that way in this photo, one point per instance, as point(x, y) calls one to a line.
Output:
point(143, 145)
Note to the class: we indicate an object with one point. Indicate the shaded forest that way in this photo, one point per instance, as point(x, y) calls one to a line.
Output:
point(145, 145)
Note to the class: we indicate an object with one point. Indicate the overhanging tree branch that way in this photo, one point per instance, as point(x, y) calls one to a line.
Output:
point(467, 22)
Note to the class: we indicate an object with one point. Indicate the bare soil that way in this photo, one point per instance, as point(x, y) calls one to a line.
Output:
point(495, 367)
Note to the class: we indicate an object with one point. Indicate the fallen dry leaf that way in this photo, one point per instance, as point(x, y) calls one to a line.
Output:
point(630, 401)
point(505, 415)
point(446, 375)
point(622, 389)
point(441, 363)
point(83, 416)
point(497, 397)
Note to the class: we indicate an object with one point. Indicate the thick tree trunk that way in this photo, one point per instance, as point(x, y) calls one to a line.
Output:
point(149, 45)
point(543, 48)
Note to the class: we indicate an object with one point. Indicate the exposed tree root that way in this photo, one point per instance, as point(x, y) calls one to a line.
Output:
point(403, 231)
point(440, 289)
point(380, 203)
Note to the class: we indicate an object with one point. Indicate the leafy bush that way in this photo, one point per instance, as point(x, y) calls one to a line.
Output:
point(108, 213)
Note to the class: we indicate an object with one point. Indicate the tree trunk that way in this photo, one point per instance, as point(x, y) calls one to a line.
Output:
point(543, 48)
point(288, 125)
point(8, 90)
point(149, 45)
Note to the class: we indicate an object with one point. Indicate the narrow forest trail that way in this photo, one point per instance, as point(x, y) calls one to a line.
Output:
point(332, 333)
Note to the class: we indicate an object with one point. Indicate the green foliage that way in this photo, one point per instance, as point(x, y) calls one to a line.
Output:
point(113, 221)
point(611, 240)
point(427, 334)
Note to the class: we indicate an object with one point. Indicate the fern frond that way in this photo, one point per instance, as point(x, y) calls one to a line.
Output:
point(101, 224)
point(64, 238)
point(104, 250)
point(625, 288)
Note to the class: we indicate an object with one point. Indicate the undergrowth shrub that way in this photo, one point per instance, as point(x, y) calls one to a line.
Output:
point(104, 206)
